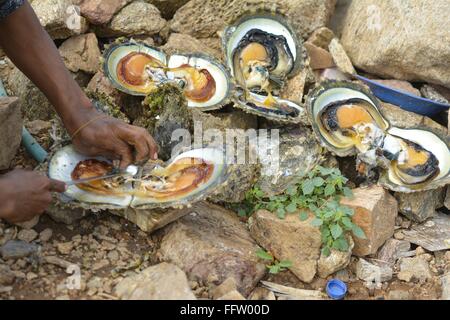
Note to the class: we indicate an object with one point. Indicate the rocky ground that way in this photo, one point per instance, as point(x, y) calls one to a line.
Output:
point(207, 251)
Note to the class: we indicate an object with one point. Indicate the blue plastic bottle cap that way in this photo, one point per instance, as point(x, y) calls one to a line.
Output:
point(336, 289)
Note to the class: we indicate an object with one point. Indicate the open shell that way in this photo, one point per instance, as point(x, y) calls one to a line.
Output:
point(137, 69)
point(131, 193)
point(347, 120)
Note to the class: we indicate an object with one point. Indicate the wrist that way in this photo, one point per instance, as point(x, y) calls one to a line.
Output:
point(77, 114)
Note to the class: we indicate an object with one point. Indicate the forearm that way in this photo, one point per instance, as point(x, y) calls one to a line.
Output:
point(30, 48)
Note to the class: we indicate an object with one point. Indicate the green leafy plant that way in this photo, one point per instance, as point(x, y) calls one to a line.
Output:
point(273, 265)
point(319, 193)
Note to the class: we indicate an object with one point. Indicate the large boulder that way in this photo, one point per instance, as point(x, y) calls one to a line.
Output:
point(100, 12)
point(164, 281)
point(60, 18)
point(81, 53)
point(289, 239)
point(375, 212)
point(400, 39)
point(204, 18)
point(137, 18)
point(211, 245)
point(10, 130)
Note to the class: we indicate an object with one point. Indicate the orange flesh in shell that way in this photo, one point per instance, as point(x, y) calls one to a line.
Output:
point(181, 177)
point(350, 115)
point(201, 86)
point(415, 158)
point(131, 68)
point(254, 51)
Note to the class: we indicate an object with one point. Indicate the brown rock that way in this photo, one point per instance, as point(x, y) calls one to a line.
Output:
point(204, 18)
point(137, 18)
point(232, 295)
point(290, 239)
point(7, 276)
point(416, 268)
point(261, 293)
point(29, 224)
point(99, 11)
point(81, 53)
point(420, 206)
point(60, 18)
point(319, 58)
point(404, 86)
point(340, 57)
point(431, 93)
point(27, 235)
point(447, 199)
point(164, 281)
point(321, 37)
point(225, 287)
point(184, 43)
point(38, 126)
point(45, 235)
point(393, 40)
point(210, 245)
point(375, 212)
point(10, 130)
point(168, 7)
point(392, 250)
point(295, 87)
point(65, 247)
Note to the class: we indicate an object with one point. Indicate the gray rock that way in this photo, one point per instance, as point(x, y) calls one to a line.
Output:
point(27, 235)
point(261, 293)
point(10, 130)
point(288, 239)
point(34, 104)
point(399, 295)
point(225, 287)
point(393, 40)
point(371, 273)
point(137, 18)
point(392, 250)
point(414, 269)
point(299, 153)
point(336, 261)
point(204, 18)
point(64, 214)
point(16, 249)
point(45, 235)
point(211, 245)
point(60, 18)
point(340, 57)
point(232, 295)
point(7, 276)
point(431, 93)
point(420, 206)
point(164, 281)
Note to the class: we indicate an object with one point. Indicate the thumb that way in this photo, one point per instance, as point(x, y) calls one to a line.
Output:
point(57, 186)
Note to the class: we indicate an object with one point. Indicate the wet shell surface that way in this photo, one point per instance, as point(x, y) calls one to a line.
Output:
point(215, 87)
point(189, 177)
point(347, 120)
point(262, 52)
point(137, 69)
point(125, 66)
point(260, 48)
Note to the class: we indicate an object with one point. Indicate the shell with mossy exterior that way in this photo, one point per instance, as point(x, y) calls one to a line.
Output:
point(137, 69)
point(347, 120)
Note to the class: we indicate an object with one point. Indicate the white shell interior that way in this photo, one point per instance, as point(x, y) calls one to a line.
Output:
point(430, 142)
point(60, 168)
point(121, 51)
point(222, 83)
point(262, 98)
point(64, 161)
point(265, 24)
point(209, 155)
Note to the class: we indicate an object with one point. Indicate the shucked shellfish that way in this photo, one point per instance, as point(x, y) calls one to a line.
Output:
point(188, 178)
point(137, 69)
point(347, 120)
point(262, 51)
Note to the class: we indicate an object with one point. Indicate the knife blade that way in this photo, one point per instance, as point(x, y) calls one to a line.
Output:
point(129, 171)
